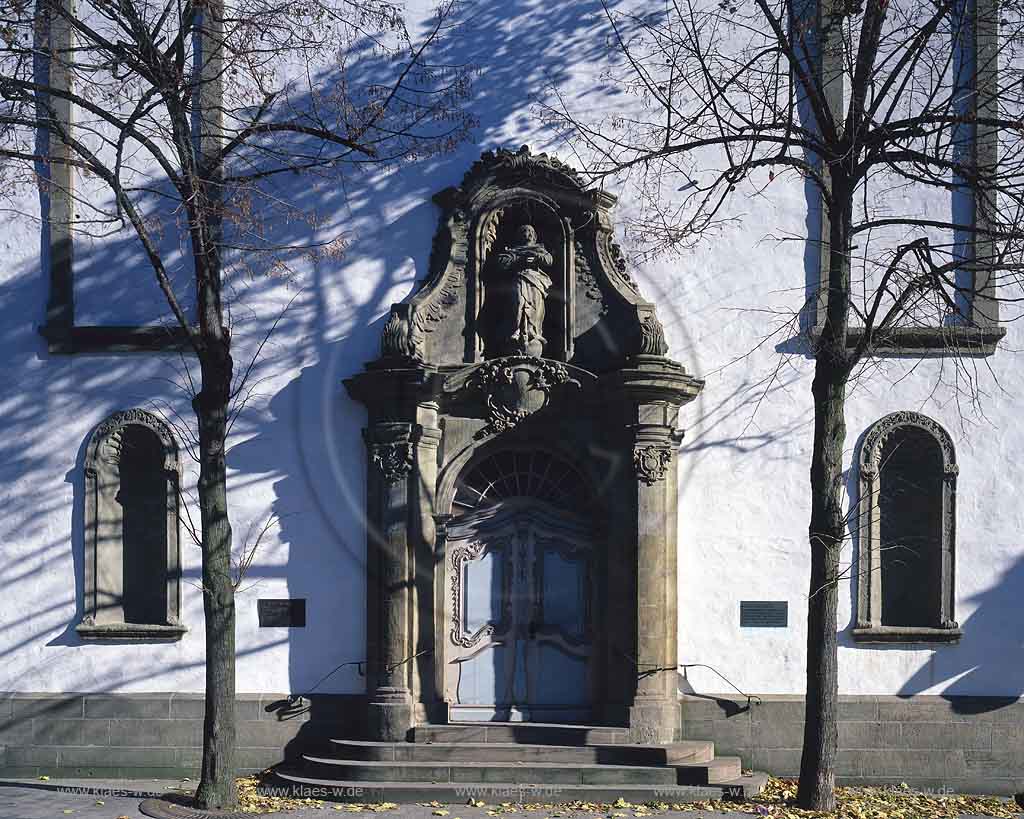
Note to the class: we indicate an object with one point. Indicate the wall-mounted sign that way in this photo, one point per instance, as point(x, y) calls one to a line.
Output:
point(764, 614)
point(282, 613)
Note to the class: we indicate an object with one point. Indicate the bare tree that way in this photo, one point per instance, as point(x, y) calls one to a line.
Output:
point(176, 117)
point(864, 102)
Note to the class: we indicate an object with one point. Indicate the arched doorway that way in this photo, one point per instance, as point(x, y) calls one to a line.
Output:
point(528, 336)
point(519, 568)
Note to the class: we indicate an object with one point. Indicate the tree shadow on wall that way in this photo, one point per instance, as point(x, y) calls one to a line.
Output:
point(981, 661)
point(306, 438)
point(300, 432)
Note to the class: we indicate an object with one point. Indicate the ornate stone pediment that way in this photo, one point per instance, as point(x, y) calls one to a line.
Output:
point(524, 262)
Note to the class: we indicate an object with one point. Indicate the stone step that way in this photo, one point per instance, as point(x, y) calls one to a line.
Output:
point(492, 752)
point(530, 733)
point(743, 787)
point(497, 792)
point(535, 773)
point(715, 772)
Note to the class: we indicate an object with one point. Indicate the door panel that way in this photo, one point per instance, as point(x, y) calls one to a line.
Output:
point(519, 587)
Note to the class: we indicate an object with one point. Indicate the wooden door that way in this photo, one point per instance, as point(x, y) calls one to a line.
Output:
point(519, 583)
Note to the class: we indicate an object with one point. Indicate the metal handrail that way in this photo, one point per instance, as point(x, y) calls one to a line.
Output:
point(647, 672)
point(750, 697)
point(360, 668)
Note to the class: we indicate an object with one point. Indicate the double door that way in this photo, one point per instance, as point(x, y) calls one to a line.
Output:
point(519, 587)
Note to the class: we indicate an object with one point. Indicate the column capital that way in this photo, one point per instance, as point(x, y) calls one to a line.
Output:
point(392, 394)
point(651, 463)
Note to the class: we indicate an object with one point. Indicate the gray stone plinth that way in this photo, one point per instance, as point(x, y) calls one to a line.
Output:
point(654, 722)
point(390, 721)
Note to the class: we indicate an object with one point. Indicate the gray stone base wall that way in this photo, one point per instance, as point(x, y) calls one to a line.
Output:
point(963, 744)
point(156, 735)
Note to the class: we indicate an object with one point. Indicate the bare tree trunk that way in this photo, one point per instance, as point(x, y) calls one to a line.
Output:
point(817, 763)
point(827, 526)
point(217, 783)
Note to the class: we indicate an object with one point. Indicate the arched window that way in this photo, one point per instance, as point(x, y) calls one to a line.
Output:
point(526, 473)
point(907, 532)
point(132, 571)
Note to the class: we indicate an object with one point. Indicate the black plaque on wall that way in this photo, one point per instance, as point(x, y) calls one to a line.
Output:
point(282, 613)
point(764, 614)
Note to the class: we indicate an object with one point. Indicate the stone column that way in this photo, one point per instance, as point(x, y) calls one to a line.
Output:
point(654, 716)
point(653, 389)
point(392, 390)
point(426, 439)
point(389, 465)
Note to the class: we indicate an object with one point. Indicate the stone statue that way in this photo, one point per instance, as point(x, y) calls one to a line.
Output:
point(524, 262)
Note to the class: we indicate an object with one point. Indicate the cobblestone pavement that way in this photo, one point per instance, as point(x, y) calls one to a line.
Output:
point(116, 799)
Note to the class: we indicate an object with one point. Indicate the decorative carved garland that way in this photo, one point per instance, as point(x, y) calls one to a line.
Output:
point(393, 460)
point(651, 463)
point(586, 276)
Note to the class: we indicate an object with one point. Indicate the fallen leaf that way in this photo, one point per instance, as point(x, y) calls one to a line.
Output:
point(44, 779)
point(440, 812)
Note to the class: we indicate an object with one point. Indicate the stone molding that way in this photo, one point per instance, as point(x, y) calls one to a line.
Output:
point(868, 616)
point(104, 527)
point(980, 333)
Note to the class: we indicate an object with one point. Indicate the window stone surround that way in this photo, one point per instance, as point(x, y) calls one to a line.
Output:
point(980, 333)
point(103, 527)
point(869, 627)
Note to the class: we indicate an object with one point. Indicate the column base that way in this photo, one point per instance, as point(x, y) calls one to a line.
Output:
point(390, 721)
point(654, 723)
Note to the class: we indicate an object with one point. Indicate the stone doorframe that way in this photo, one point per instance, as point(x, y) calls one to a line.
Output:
point(602, 394)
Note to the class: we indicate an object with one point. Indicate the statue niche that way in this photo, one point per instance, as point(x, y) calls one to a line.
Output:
point(517, 284)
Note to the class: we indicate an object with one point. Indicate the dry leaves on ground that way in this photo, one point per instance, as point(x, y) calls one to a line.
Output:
point(777, 801)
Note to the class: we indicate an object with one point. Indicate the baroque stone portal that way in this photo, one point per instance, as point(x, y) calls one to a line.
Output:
point(521, 470)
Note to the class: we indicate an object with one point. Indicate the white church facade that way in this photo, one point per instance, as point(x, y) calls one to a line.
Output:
point(497, 470)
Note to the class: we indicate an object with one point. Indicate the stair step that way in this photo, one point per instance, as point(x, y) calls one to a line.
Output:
point(496, 792)
point(530, 733)
point(744, 787)
point(543, 773)
point(715, 772)
point(495, 752)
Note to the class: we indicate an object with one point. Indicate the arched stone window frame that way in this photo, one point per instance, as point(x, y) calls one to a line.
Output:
point(98, 460)
point(869, 626)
